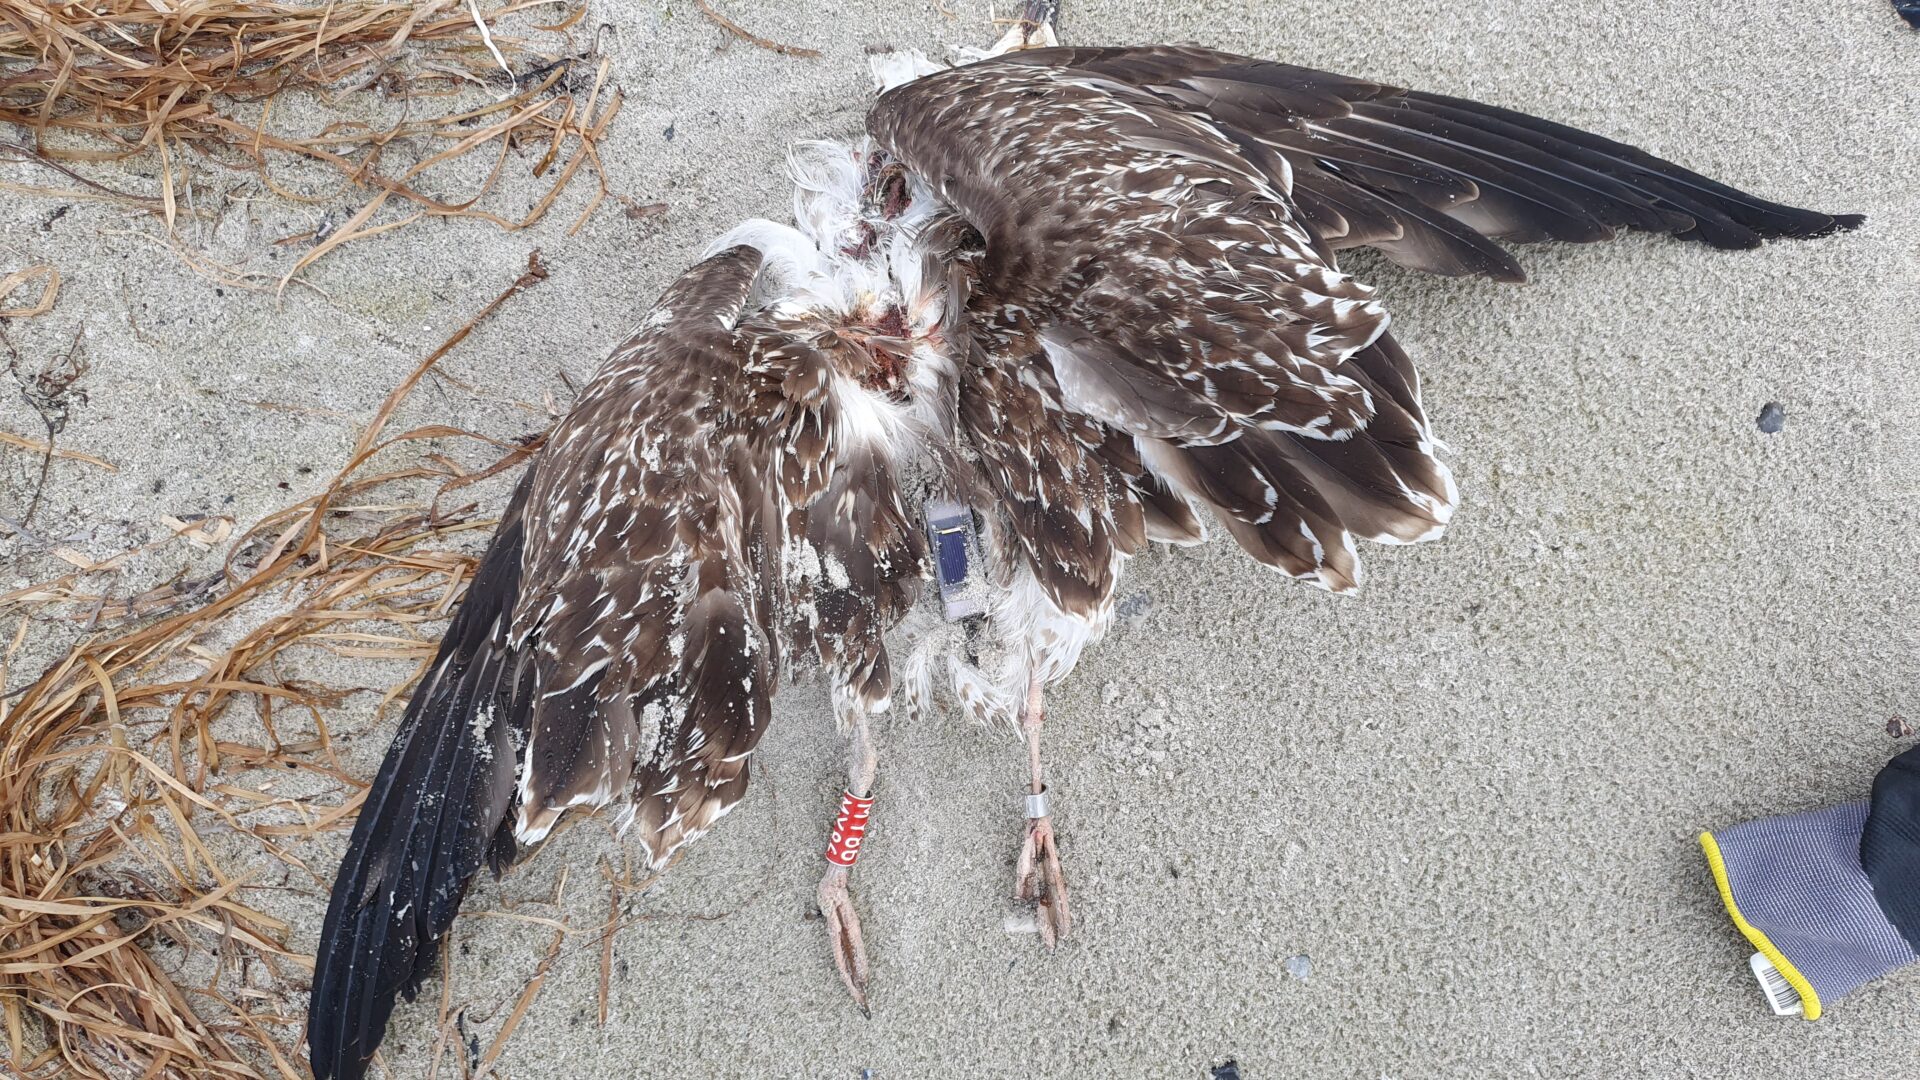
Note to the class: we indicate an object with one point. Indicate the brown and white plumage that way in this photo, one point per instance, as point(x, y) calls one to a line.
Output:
point(1092, 294)
point(623, 635)
point(1162, 225)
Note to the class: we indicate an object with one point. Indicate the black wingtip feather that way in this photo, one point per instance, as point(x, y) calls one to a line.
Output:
point(502, 852)
point(1724, 216)
point(425, 827)
point(1835, 223)
point(1396, 148)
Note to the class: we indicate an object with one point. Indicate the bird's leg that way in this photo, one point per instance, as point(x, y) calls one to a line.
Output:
point(1032, 30)
point(1040, 878)
point(843, 847)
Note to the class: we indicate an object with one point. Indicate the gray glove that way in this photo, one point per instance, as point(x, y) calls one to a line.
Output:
point(1827, 912)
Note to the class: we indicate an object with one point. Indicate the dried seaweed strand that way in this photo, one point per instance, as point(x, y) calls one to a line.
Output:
point(115, 78)
point(49, 288)
point(750, 37)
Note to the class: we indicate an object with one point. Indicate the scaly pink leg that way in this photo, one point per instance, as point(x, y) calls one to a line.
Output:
point(843, 847)
point(1040, 879)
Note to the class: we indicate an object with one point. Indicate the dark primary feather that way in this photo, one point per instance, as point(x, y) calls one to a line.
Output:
point(1370, 160)
point(435, 808)
point(625, 631)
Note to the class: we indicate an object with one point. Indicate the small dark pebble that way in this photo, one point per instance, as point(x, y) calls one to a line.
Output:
point(1898, 728)
point(1773, 417)
point(1229, 1071)
point(668, 133)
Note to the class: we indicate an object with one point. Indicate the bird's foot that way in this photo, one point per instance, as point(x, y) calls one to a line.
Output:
point(1032, 30)
point(843, 933)
point(1041, 881)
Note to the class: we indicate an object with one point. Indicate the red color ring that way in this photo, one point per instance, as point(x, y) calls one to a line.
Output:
point(849, 829)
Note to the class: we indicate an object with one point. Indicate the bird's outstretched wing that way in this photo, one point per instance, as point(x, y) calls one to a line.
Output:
point(1433, 180)
point(698, 522)
point(1160, 227)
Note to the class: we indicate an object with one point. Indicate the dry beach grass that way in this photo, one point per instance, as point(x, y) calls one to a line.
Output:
point(196, 82)
point(110, 773)
point(112, 749)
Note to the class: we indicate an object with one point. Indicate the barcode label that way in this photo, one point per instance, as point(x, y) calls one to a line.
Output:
point(1782, 998)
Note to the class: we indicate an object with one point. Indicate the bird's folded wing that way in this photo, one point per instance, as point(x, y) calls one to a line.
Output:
point(843, 557)
point(1061, 478)
point(639, 594)
point(1161, 224)
point(616, 639)
point(1146, 243)
point(1156, 329)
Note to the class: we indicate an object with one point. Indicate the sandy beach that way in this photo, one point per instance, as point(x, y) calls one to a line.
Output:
point(1444, 828)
